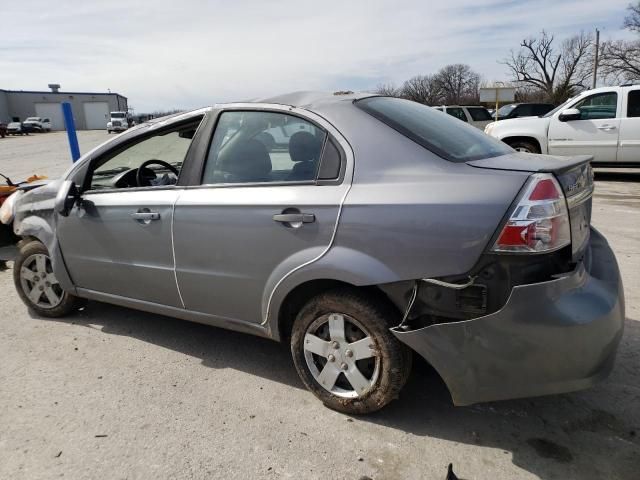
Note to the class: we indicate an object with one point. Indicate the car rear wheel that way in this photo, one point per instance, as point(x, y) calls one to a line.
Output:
point(524, 146)
point(345, 354)
point(37, 285)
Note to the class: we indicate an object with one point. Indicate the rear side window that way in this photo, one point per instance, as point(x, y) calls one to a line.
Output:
point(524, 111)
point(261, 147)
point(441, 134)
point(633, 104)
point(458, 113)
point(479, 114)
point(542, 109)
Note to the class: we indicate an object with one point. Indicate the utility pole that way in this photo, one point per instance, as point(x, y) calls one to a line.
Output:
point(595, 63)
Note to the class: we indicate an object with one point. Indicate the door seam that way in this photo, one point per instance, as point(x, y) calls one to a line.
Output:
point(173, 249)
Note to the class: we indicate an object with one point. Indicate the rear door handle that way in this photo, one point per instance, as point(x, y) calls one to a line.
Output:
point(606, 127)
point(294, 217)
point(145, 216)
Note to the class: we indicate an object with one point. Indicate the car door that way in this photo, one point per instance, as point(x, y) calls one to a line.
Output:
point(629, 150)
point(594, 133)
point(262, 210)
point(117, 238)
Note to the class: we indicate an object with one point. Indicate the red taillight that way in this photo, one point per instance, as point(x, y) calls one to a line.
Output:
point(545, 190)
point(540, 221)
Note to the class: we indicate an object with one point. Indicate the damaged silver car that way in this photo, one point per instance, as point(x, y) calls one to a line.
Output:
point(371, 229)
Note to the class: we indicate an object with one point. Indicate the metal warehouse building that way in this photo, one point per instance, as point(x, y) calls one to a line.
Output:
point(90, 110)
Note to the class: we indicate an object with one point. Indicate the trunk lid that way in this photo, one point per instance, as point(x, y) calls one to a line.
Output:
point(574, 175)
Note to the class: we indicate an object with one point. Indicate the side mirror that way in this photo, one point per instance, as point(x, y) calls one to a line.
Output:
point(66, 197)
point(569, 114)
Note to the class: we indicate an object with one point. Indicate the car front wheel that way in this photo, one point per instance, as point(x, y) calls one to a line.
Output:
point(524, 146)
point(345, 354)
point(37, 285)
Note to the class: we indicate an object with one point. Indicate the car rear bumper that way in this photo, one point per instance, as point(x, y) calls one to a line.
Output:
point(550, 337)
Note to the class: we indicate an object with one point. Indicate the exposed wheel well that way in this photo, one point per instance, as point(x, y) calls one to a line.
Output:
point(300, 295)
point(511, 140)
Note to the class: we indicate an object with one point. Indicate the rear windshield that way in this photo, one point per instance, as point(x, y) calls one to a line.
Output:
point(442, 134)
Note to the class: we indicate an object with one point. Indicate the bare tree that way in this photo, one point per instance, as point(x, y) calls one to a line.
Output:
point(388, 90)
point(458, 84)
point(632, 21)
point(423, 89)
point(620, 60)
point(558, 71)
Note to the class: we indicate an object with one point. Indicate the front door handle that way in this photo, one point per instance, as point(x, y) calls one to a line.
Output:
point(606, 127)
point(294, 217)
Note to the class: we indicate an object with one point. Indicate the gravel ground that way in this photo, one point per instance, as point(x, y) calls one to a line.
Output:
point(114, 393)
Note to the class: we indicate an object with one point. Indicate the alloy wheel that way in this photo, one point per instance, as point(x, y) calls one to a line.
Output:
point(39, 283)
point(341, 355)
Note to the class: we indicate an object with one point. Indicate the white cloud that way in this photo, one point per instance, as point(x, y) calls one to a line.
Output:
point(164, 54)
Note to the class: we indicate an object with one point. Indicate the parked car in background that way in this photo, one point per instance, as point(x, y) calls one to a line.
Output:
point(38, 124)
point(516, 110)
point(19, 128)
point(604, 122)
point(479, 117)
point(384, 228)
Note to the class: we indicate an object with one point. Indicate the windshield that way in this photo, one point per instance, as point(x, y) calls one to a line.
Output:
point(506, 110)
point(117, 115)
point(444, 135)
point(559, 107)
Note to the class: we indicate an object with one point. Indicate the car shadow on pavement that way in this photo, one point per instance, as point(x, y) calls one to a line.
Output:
point(587, 435)
point(617, 176)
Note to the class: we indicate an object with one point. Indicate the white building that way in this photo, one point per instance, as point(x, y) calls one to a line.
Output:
point(90, 110)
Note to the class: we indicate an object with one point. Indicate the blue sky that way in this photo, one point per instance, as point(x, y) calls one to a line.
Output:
point(163, 53)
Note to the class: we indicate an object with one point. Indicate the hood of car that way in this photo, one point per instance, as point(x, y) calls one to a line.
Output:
point(522, 126)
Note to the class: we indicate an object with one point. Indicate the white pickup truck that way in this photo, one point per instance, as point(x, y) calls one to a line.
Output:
point(604, 122)
point(39, 124)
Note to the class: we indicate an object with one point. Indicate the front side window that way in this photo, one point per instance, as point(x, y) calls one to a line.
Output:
point(441, 134)
point(152, 162)
point(633, 104)
point(258, 147)
point(598, 106)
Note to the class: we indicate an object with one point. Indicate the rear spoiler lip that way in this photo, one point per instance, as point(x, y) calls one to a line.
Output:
point(534, 163)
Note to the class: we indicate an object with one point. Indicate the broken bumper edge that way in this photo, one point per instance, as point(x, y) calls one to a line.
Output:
point(550, 337)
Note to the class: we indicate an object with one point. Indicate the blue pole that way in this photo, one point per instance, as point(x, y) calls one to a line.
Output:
point(71, 131)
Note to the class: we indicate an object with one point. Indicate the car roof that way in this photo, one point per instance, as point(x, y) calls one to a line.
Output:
point(311, 99)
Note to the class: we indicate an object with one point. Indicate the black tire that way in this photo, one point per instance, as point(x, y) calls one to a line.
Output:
point(376, 317)
point(68, 303)
point(524, 146)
